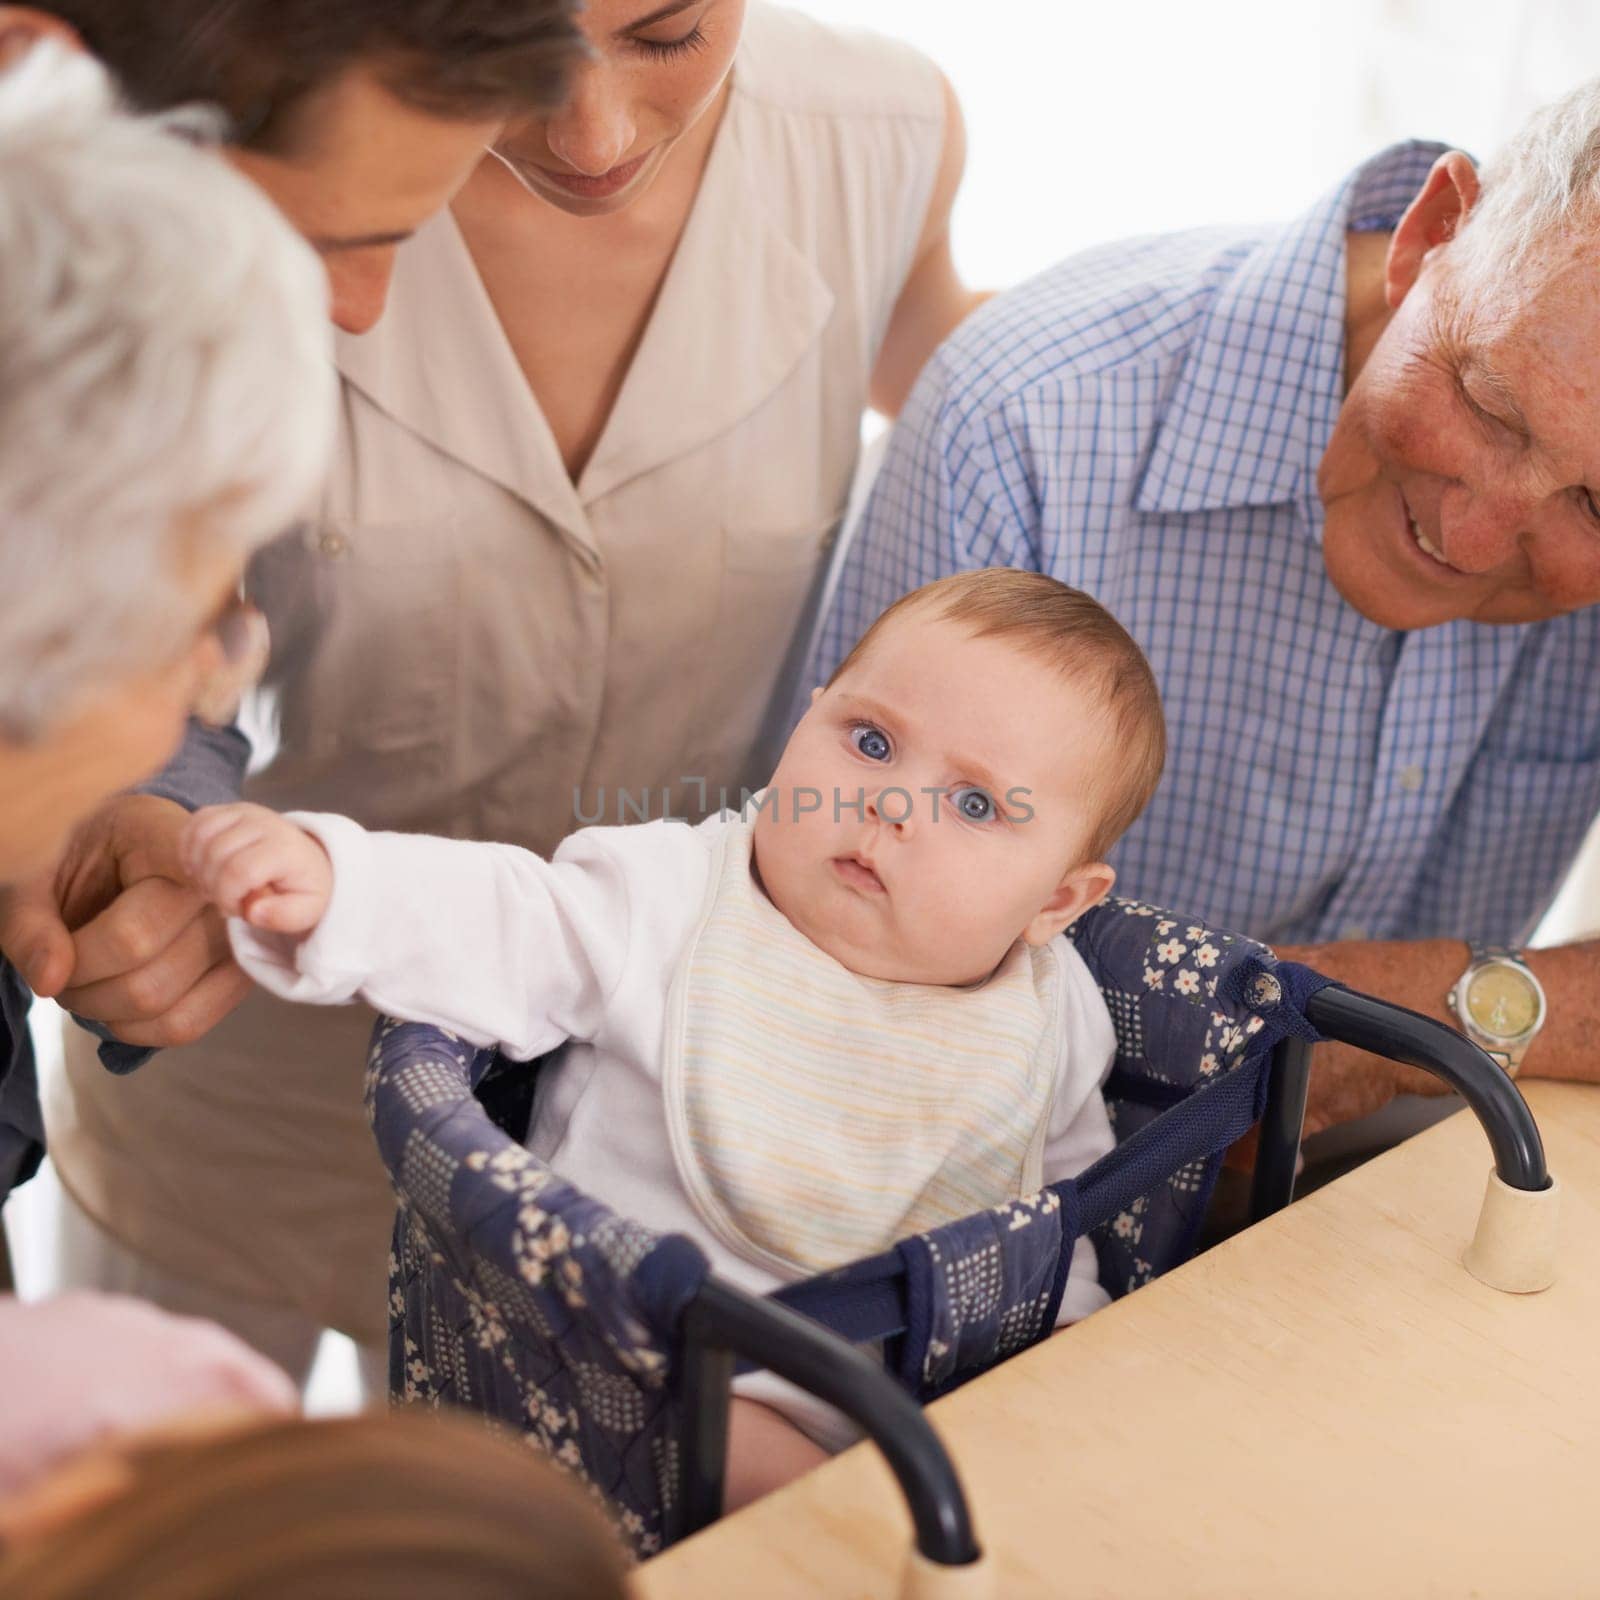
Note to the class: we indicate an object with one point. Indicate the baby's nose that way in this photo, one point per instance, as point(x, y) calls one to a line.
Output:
point(893, 806)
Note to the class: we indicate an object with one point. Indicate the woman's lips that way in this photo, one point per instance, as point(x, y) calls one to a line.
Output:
point(858, 874)
point(601, 188)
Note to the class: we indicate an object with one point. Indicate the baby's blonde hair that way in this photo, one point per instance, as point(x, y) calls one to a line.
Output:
point(1075, 634)
point(411, 1506)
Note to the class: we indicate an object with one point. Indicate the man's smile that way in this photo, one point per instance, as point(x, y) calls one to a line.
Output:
point(1423, 542)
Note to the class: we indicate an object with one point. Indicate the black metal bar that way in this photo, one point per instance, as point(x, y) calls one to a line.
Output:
point(1272, 1183)
point(724, 1318)
point(1418, 1041)
point(707, 1373)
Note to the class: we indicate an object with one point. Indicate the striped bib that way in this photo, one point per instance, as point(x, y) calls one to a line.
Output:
point(816, 1115)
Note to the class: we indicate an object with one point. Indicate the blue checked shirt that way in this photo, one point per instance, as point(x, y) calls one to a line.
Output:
point(1145, 422)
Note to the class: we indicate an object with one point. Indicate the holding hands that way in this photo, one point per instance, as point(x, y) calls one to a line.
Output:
point(252, 863)
point(115, 934)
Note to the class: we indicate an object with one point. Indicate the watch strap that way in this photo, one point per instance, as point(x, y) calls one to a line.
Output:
point(1479, 951)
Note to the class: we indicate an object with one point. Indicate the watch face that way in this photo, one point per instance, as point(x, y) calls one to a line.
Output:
point(1502, 1001)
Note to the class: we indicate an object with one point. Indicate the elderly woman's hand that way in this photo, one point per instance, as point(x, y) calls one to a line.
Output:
point(82, 1366)
point(252, 863)
point(116, 934)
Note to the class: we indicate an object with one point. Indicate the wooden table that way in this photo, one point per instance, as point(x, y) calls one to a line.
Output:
point(1327, 1404)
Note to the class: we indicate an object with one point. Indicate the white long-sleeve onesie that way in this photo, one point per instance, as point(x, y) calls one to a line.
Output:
point(504, 948)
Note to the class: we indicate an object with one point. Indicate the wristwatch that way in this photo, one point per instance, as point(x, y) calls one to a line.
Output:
point(1499, 1004)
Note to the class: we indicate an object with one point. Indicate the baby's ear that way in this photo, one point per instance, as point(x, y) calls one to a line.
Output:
point(816, 694)
point(1082, 888)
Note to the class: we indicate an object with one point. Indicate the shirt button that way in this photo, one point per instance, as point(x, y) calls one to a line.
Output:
point(1411, 779)
point(333, 545)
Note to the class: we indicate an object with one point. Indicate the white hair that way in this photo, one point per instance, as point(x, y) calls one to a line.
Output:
point(1544, 182)
point(166, 380)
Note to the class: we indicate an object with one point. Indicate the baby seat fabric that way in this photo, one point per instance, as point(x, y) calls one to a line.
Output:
point(516, 1296)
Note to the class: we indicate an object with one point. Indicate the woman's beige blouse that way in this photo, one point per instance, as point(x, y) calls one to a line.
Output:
point(468, 643)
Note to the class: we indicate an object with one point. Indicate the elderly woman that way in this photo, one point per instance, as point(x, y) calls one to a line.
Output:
point(592, 463)
point(165, 406)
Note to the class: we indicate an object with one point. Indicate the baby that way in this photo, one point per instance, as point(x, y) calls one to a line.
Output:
point(800, 1034)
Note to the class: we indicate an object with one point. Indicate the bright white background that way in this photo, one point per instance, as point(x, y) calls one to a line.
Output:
point(1091, 121)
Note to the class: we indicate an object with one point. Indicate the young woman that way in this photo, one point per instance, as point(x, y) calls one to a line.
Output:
point(592, 463)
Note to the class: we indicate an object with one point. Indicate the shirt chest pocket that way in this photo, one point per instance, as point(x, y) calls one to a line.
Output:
point(366, 626)
point(1513, 832)
point(1528, 807)
point(765, 555)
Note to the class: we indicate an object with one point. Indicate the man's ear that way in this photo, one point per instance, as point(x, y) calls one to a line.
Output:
point(1082, 888)
point(1432, 219)
point(22, 27)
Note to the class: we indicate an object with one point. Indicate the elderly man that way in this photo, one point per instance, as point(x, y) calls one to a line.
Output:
point(1341, 479)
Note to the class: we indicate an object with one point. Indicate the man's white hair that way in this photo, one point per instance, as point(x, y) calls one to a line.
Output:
point(1544, 182)
point(166, 380)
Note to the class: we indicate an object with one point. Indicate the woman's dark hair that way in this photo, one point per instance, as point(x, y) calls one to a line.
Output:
point(258, 59)
point(414, 1506)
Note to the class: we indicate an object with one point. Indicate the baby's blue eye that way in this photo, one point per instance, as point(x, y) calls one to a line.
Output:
point(976, 805)
point(872, 742)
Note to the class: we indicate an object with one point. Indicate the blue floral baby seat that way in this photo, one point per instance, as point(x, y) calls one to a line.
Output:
point(516, 1296)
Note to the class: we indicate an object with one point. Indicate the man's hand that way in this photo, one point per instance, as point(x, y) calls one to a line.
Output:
point(1347, 1083)
point(116, 935)
point(252, 863)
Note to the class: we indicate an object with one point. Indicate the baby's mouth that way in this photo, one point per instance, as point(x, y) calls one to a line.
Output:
point(858, 874)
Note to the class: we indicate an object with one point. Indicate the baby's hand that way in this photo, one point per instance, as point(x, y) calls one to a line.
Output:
point(252, 863)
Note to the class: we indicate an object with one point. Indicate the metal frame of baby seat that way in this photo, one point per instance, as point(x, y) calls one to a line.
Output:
point(723, 1323)
point(1342, 1016)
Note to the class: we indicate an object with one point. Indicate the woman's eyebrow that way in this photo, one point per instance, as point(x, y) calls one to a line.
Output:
point(661, 14)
